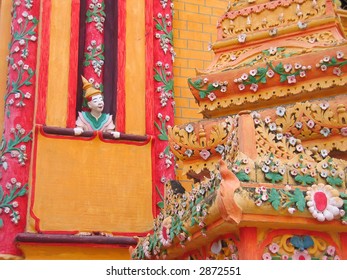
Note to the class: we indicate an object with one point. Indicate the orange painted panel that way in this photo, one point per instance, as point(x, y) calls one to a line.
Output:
point(59, 63)
point(89, 184)
point(73, 252)
point(135, 75)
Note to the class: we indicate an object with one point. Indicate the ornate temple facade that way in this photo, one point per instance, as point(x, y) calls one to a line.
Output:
point(268, 162)
point(260, 175)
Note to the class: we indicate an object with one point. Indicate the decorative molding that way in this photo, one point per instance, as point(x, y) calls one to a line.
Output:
point(261, 17)
point(18, 122)
point(200, 145)
point(161, 97)
point(74, 239)
point(300, 247)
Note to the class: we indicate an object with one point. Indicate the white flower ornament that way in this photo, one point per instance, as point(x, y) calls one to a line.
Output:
point(323, 202)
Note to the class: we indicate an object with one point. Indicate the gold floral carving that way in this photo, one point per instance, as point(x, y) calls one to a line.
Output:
point(313, 120)
point(283, 158)
point(232, 61)
point(270, 15)
point(326, 38)
point(202, 144)
point(270, 139)
point(286, 48)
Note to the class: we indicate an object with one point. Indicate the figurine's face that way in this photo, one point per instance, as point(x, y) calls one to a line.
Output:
point(97, 103)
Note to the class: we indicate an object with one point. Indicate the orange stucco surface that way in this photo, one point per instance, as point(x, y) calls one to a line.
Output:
point(117, 198)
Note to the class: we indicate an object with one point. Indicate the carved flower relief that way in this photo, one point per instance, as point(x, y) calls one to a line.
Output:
point(323, 202)
point(188, 152)
point(242, 38)
point(164, 234)
point(325, 131)
point(280, 111)
point(301, 255)
point(189, 128)
point(146, 250)
point(205, 154)
point(337, 63)
point(261, 195)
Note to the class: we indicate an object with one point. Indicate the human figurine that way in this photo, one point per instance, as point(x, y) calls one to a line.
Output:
point(95, 119)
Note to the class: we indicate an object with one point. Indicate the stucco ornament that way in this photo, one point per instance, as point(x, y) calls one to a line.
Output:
point(323, 202)
point(164, 234)
point(95, 119)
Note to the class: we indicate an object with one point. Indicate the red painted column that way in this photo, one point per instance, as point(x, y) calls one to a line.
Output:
point(248, 246)
point(159, 90)
point(94, 43)
point(18, 124)
point(343, 238)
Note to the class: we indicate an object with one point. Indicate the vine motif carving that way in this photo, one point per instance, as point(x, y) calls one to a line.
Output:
point(163, 88)
point(287, 73)
point(15, 144)
point(268, 55)
point(96, 13)
point(8, 203)
point(16, 87)
point(326, 38)
point(182, 210)
point(324, 202)
point(14, 147)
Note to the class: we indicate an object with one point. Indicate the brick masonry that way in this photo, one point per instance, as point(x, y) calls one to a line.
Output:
point(194, 27)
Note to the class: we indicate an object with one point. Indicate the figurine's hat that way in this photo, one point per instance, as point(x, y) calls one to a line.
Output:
point(88, 89)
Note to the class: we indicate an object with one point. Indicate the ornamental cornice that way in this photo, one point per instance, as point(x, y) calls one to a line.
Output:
point(271, 16)
point(203, 143)
point(283, 48)
point(319, 72)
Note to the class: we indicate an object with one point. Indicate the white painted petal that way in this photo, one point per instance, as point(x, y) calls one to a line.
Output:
point(314, 214)
point(312, 209)
point(328, 215)
point(334, 210)
point(320, 217)
point(310, 203)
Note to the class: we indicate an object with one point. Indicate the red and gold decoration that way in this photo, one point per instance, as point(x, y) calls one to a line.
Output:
point(16, 141)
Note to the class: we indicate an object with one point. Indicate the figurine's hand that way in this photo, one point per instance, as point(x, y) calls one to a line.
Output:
point(115, 134)
point(78, 130)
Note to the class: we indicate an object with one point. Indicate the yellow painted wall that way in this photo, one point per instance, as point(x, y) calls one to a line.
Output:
point(135, 74)
point(194, 26)
point(72, 252)
point(91, 185)
point(59, 64)
point(5, 35)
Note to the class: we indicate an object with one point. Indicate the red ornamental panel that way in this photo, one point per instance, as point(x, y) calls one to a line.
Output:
point(163, 57)
point(18, 123)
point(94, 42)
